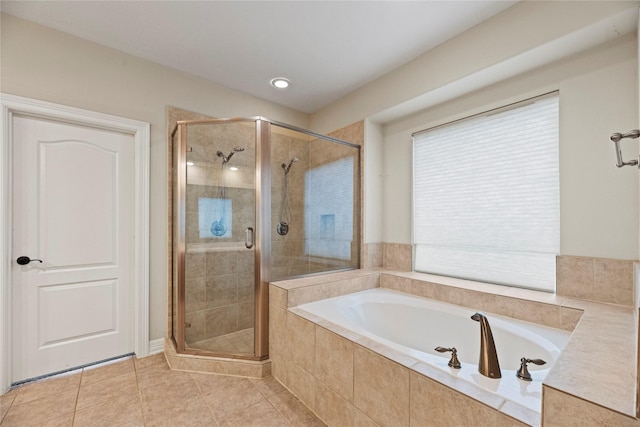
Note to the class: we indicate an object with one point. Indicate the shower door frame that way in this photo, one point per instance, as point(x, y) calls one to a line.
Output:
point(262, 245)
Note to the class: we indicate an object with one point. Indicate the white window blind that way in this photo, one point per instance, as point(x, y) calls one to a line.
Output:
point(486, 197)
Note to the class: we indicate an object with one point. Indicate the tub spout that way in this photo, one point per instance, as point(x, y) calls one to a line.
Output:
point(488, 364)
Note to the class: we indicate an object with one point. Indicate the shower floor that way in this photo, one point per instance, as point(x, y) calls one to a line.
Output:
point(240, 342)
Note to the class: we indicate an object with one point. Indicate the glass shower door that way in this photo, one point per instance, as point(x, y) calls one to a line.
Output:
point(219, 252)
point(314, 203)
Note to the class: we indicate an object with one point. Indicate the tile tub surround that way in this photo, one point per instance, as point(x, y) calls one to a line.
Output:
point(595, 279)
point(599, 385)
point(397, 256)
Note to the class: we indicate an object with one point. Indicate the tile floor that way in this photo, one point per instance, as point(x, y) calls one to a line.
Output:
point(145, 392)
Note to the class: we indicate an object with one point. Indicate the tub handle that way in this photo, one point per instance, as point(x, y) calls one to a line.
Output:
point(453, 362)
point(248, 238)
point(523, 372)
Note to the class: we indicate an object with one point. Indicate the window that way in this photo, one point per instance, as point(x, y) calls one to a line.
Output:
point(486, 196)
point(215, 217)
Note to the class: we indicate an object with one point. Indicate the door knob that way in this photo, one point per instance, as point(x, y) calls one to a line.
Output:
point(24, 260)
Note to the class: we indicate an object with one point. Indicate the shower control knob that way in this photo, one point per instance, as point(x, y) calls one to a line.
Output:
point(282, 228)
point(24, 260)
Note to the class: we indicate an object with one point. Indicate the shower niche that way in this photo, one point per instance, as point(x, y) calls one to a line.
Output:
point(253, 201)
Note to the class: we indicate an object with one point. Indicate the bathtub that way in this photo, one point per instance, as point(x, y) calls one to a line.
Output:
point(415, 326)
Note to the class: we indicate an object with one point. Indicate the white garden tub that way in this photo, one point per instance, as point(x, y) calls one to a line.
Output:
point(415, 326)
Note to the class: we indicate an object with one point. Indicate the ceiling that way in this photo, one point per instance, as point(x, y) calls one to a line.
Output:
point(325, 48)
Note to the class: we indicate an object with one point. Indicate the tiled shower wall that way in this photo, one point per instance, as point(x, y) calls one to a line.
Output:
point(219, 295)
point(289, 255)
point(288, 251)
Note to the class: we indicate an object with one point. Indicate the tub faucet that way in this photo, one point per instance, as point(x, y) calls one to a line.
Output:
point(488, 364)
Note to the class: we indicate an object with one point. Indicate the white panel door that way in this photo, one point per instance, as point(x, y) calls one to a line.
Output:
point(73, 209)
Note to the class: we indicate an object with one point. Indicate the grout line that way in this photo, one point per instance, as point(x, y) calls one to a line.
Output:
point(201, 396)
point(135, 371)
point(9, 408)
point(75, 406)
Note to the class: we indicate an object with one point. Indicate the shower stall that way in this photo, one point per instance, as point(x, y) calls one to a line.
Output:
point(253, 201)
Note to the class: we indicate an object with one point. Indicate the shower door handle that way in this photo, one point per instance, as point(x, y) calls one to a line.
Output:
point(248, 238)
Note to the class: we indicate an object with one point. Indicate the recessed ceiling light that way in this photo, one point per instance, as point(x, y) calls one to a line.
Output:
point(189, 163)
point(280, 82)
point(233, 168)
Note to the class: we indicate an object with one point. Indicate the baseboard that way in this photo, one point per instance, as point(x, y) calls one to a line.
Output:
point(156, 346)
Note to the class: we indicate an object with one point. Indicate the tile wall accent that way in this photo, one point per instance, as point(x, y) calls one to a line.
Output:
point(549, 313)
point(289, 293)
point(595, 279)
point(397, 256)
point(371, 255)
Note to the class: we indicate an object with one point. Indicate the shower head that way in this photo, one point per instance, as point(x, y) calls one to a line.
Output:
point(225, 159)
point(287, 167)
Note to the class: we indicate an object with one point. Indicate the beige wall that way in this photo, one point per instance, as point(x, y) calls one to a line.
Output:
point(528, 32)
point(598, 96)
point(44, 64)
point(372, 182)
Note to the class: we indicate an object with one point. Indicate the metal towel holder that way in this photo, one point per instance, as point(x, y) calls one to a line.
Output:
point(615, 138)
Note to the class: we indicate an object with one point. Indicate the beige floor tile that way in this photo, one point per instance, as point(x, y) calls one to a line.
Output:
point(162, 375)
point(261, 414)
point(310, 423)
point(169, 397)
point(40, 411)
point(294, 411)
point(268, 386)
point(145, 362)
point(5, 403)
point(145, 392)
point(58, 384)
point(111, 412)
point(226, 395)
point(107, 370)
point(64, 421)
point(117, 389)
point(189, 412)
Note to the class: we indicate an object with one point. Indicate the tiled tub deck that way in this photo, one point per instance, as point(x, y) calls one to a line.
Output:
point(349, 380)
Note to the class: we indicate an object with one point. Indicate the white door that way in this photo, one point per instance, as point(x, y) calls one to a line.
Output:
point(73, 209)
